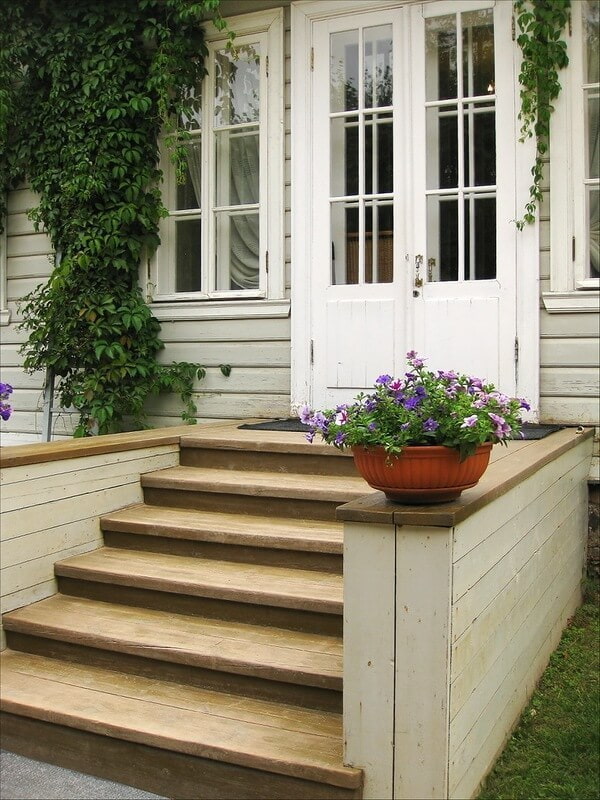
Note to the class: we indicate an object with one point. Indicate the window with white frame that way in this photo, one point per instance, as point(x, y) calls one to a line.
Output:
point(574, 171)
point(4, 312)
point(223, 237)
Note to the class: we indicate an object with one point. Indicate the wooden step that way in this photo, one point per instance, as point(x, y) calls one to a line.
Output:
point(306, 544)
point(263, 595)
point(234, 455)
point(263, 652)
point(276, 451)
point(252, 492)
point(265, 737)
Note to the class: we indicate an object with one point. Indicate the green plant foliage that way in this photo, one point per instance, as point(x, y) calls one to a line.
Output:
point(541, 24)
point(85, 89)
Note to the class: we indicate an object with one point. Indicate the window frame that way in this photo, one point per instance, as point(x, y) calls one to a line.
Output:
point(266, 27)
point(571, 290)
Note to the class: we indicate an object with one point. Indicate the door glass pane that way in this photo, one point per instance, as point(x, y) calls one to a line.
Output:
point(442, 238)
point(593, 130)
point(591, 34)
point(188, 255)
point(237, 162)
point(237, 251)
point(442, 147)
point(440, 57)
point(478, 53)
point(237, 94)
point(344, 71)
point(344, 156)
point(344, 243)
point(379, 243)
point(377, 59)
point(379, 153)
point(188, 193)
point(481, 120)
point(480, 238)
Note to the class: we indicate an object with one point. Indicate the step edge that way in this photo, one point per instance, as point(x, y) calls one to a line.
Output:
point(291, 676)
point(342, 776)
point(251, 597)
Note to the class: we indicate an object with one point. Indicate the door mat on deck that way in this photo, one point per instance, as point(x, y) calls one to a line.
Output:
point(531, 430)
point(293, 425)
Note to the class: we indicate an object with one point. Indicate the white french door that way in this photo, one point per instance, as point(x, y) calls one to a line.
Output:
point(412, 189)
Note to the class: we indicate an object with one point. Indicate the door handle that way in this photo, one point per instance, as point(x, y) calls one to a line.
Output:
point(418, 282)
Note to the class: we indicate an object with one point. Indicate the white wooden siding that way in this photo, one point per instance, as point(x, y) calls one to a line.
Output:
point(51, 510)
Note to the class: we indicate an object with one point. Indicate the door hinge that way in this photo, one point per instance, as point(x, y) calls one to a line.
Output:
point(267, 65)
point(513, 28)
point(312, 58)
point(572, 248)
point(516, 349)
point(312, 351)
point(267, 262)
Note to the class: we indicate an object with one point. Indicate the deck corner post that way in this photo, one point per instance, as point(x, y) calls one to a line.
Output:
point(397, 603)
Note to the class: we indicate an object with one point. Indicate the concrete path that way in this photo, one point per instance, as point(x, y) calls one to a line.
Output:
point(24, 779)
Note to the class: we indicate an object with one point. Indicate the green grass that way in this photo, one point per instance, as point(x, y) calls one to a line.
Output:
point(555, 750)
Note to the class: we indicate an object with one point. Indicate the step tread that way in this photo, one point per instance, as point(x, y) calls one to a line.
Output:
point(224, 528)
point(254, 733)
point(333, 488)
point(247, 583)
point(271, 653)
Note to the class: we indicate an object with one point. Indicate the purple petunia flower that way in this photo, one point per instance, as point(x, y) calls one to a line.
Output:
point(372, 426)
point(340, 438)
point(341, 418)
point(469, 422)
point(524, 404)
point(502, 427)
point(370, 403)
point(305, 415)
point(410, 403)
point(383, 380)
point(430, 424)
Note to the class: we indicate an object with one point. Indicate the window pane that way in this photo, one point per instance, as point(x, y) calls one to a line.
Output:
point(237, 251)
point(441, 73)
point(442, 238)
point(377, 55)
point(442, 147)
point(344, 156)
point(480, 243)
point(379, 154)
point(594, 231)
point(478, 53)
point(237, 89)
point(593, 126)
point(483, 143)
point(379, 243)
point(344, 244)
point(188, 255)
point(193, 120)
point(188, 194)
point(591, 22)
point(344, 71)
point(237, 157)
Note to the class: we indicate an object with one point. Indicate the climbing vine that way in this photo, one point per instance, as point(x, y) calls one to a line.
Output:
point(541, 24)
point(85, 90)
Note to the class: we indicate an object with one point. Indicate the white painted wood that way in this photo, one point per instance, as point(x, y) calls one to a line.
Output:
point(523, 665)
point(570, 381)
point(476, 565)
point(29, 245)
point(502, 625)
point(223, 406)
point(477, 527)
point(17, 599)
point(569, 410)
point(369, 606)
point(244, 354)
point(21, 200)
point(569, 351)
point(422, 661)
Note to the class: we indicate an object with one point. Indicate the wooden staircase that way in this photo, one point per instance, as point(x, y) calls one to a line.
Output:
point(198, 654)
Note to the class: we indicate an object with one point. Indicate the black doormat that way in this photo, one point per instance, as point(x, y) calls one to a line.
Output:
point(531, 430)
point(293, 425)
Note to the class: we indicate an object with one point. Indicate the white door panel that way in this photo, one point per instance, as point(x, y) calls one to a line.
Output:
point(412, 239)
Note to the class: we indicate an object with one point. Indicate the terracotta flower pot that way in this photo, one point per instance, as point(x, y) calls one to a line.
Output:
point(431, 474)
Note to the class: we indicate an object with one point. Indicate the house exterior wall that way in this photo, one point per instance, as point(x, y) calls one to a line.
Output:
point(258, 348)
